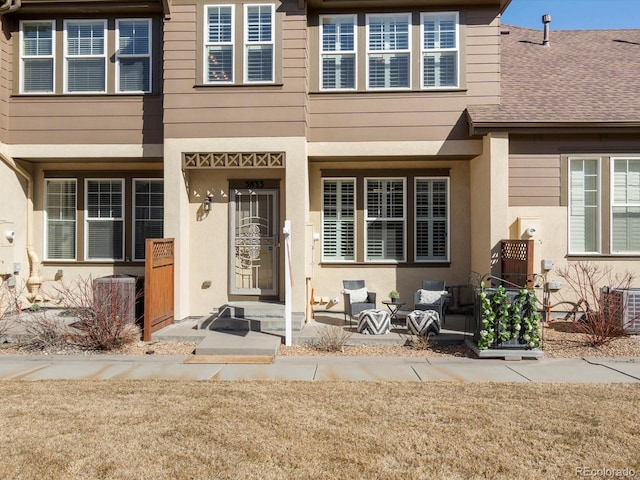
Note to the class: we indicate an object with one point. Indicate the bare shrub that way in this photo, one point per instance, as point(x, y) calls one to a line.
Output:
point(332, 339)
point(43, 333)
point(419, 342)
point(10, 306)
point(103, 311)
point(601, 313)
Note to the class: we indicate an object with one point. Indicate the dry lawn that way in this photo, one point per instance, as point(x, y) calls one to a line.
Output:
point(280, 430)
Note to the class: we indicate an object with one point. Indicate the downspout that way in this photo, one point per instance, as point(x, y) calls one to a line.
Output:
point(9, 6)
point(34, 282)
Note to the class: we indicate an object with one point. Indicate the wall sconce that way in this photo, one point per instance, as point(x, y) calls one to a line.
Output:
point(207, 202)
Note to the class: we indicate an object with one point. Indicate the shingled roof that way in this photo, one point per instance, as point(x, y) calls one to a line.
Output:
point(584, 77)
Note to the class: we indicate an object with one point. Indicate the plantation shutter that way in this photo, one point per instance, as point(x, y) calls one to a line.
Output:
point(219, 44)
point(338, 52)
point(432, 219)
point(134, 55)
point(259, 52)
point(37, 57)
point(60, 211)
point(149, 213)
point(388, 51)
point(583, 205)
point(440, 50)
point(385, 219)
point(105, 222)
point(338, 218)
point(86, 59)
point(626, 205)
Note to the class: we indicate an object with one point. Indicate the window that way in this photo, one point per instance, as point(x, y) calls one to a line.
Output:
point(219, 44)
point(105, 220)
point(439, 50)
point(385, 219)
point(37, 57)
point(338, 219)
point(388, 51)
point(85, 56)
point(584, 205)
point(338, 52)
point(148, 214)
point(133, 55)
point(259, 43)
point(60, 219)
point(432, 219)
point(625, 205)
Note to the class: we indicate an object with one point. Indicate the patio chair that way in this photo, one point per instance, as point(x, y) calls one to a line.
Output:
point(432, 296)
point(356, 298)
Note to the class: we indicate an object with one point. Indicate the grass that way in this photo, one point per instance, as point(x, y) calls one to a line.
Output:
point(351, 430)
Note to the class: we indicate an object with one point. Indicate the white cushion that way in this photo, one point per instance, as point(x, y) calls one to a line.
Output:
point(430, 296)
point(357, 296)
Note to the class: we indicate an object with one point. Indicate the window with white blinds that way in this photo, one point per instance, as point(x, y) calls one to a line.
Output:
point(625, 205)
point(60, 219)
point(338, 219)
point(104, 219)
point(259, 43)
point(85, 56)
point(584, 205)
point(133, 55)
point(388, 51)
point(432, 219)
point(219, 49)
point(148, 213)
point(440, 50)
point(338, 52)
point(37, 49)
point(385, 219)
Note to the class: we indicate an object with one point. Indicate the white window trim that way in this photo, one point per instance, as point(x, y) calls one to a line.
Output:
point(135, 55)
point(104, 55)
point(355, 219)
point(424, 50)
point(207, 44)
point(247, 44)
point(110, 219)
point(46, 222)
point(612, 204)
point(415, 215)
point(133, 213)
point(599, 206)
point(52, 56)
point(353, 52)
point(368, 219)
point(383, 52)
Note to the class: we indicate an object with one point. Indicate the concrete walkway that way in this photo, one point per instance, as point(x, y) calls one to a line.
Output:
point(414, 369)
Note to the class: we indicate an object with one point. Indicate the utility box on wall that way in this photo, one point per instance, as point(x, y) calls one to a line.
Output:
point(7, 247)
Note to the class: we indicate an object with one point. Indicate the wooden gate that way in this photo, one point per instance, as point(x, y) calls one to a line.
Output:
point(516, 257)
point(158, 285)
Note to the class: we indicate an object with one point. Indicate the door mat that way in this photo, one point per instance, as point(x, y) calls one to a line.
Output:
point(231, 359)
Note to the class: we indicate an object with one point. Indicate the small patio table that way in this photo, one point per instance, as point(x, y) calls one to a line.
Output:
point(394, 307)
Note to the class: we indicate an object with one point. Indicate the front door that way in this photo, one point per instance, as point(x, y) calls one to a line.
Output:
point(254, 242)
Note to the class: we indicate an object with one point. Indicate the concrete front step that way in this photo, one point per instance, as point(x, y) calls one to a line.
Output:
point(253, 316)
point(246, 343)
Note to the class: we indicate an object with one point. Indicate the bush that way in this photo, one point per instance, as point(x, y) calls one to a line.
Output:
point(102, 310)
point(332, 339)
point(43, 333)
point(601, 314)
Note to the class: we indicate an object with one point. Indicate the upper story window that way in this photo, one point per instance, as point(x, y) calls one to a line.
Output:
point(388, 51)
point(95, 56)
point(85, 56)
point(37, 48)
point(255, 43)
point(439, 50)
point(338, 52)
point(402, 51)
point(133, 55)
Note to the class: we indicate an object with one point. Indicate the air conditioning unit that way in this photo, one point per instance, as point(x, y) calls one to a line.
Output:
point(626, 304)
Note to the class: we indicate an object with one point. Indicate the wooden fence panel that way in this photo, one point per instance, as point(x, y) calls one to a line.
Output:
point(158, 285)
point(516, 258)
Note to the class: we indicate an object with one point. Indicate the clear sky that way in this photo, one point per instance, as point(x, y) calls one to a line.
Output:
point(574, 14)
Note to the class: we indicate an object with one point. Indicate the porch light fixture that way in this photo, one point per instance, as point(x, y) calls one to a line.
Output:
point(207, 202)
